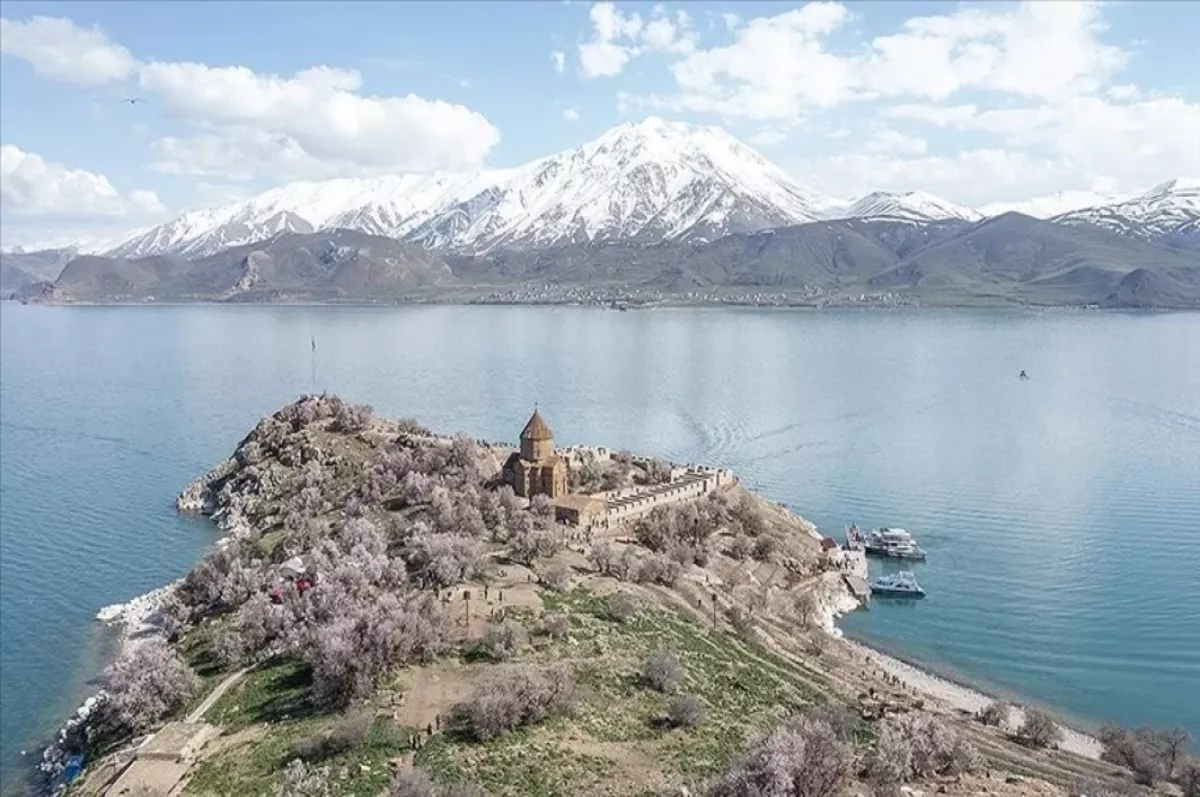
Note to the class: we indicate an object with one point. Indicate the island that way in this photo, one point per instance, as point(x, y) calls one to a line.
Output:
point(394, 611)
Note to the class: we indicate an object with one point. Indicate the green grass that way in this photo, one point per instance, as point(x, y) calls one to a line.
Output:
point(745, 687)
point(275, 693)
point(612, 736)
point(277, 698)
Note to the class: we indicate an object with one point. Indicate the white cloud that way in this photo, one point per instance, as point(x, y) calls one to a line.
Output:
point(31, 185)
point(559, 59)
point(58, 49)
point(318, 116)
point(40, 199)
point(571, 115)
point(617, 39)
point(782, 67)
point(146, 201)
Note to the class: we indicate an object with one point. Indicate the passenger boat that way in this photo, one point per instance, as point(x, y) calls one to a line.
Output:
point(897, 585)
point(892, 543)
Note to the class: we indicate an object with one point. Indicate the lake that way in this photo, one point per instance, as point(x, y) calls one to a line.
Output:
point(1061, 514)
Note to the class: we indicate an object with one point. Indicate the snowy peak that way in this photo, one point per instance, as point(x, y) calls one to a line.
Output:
point(913, 206)
point(1168, 212)
point(650, 179)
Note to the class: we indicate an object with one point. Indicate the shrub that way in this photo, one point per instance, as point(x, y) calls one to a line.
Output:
point(995, 713)
point(413, 784)
point(512, 696)
point(657, 471)
point(503, 641)
point(685, 711)
point(662, 671)
point(763, 548)
point(146, 684)
point(1039, 729)
point(804, 758)
point(622, 607)
point(301, 781)
point(352, 417)
point(742, 622)
point(740, 546)
point(659, 569)
point(555, 576)
point(347, 732)
point(555, 626)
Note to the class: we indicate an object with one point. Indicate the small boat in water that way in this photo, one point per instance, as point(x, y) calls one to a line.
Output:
point(897, 585)
point(891, 543)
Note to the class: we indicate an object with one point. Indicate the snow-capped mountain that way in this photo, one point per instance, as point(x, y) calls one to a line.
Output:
point(652, 179)
point(1168, 212)
point(913, 206)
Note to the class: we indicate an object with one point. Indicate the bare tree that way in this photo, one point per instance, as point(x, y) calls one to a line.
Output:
point(662, 671)
point(1039, 729)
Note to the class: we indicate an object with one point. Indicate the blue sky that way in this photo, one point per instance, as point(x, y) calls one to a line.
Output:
point(979, 103)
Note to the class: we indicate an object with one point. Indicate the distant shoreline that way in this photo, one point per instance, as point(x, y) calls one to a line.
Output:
point(665, 304)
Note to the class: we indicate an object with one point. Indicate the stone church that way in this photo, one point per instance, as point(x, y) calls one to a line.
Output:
point(536, 469)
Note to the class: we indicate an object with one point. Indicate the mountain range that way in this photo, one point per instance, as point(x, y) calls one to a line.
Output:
point(653, 204)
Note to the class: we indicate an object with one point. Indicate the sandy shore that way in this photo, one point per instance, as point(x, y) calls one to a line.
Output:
point(964, 698)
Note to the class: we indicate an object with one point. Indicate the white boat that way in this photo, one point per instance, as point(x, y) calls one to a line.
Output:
point(892, 543)
point(897, 585)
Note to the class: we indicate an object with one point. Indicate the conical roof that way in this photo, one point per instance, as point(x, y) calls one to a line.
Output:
point(536, 429)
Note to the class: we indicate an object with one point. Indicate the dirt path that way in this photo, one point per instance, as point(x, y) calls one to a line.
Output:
point(198, 714)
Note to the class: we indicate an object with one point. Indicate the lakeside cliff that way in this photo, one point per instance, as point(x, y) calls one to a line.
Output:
point(385, 609)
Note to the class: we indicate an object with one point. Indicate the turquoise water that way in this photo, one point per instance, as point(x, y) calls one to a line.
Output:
point(1062, 514)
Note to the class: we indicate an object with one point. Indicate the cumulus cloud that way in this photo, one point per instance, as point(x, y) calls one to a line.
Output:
point(617, 39)
point(31, 186)
point(571, 115)
point(60, 50)
point(559, 59)
point(319, 116)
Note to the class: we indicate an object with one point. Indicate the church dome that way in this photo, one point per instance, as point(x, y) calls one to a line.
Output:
point(536, 429)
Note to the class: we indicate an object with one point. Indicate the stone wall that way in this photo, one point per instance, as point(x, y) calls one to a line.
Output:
point(692, 483)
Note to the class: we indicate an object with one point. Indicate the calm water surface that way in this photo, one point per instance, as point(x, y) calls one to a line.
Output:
point(1062, 514)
